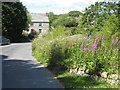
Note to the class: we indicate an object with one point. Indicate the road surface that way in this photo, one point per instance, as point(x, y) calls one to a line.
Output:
point(21, 70)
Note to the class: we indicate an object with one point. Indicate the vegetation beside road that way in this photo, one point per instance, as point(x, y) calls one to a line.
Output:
point(61, 51)
point(77, 82)
point(62, 54)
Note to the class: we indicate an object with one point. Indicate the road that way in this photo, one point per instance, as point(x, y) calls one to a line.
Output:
point(21, 70)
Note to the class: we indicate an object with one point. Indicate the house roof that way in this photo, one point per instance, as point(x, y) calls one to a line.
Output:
point(39, 17)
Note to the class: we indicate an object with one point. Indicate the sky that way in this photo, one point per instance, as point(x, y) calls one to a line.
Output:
point(57, 6)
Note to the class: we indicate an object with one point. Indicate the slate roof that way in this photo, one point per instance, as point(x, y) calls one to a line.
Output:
point(39, 17)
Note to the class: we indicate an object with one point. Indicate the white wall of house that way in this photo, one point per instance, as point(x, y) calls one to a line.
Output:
point(41, 27)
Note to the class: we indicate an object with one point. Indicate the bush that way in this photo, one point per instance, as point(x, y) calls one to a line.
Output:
point(24, 38)
point(33, 34)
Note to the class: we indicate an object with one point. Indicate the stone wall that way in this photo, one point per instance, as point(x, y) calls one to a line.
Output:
point(104, 76)
point(44, 27)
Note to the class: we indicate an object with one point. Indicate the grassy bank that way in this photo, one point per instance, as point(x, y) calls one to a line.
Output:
point(60, 52)
point(76, 82)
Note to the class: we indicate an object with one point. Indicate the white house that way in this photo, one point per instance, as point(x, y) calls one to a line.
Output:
point(40, 22)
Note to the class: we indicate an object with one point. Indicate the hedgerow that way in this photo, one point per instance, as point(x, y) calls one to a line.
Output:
point(96, 54)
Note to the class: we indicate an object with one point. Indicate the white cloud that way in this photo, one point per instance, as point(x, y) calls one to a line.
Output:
point(56, 6)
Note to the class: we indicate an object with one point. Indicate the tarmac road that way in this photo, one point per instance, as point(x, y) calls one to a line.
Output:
point(21, 70)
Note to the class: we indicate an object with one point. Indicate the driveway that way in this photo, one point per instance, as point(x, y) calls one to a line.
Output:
point(21, 70)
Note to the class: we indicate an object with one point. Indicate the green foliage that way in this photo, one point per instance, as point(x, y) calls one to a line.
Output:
point(24, 38)
point(56, 33)
point(77, 82)
point(74, 13)
point(66, 21)
point(32, 36)
point(52, 17)
point(62, 20)
point(100, 17)
point(65, 53)
point(14, 20)
point(62, 52)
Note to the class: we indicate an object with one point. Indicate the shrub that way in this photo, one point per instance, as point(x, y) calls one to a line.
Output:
point(24, 38)
point(33, 34)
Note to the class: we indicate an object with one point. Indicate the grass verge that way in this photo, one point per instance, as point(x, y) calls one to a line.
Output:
point(72, 81)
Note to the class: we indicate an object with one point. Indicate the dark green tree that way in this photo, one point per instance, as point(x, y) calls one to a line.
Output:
point(14, 20)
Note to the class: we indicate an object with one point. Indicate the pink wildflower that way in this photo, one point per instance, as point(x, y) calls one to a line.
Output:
point(95, 45)
point(112, 41)
point(97, 38)
point(103, 38)
point(105, 51)
point(85, 49)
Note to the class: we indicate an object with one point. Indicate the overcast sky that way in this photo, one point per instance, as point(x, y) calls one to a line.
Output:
point(57, 6)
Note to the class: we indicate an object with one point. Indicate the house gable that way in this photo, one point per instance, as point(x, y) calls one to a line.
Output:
point(40, 23)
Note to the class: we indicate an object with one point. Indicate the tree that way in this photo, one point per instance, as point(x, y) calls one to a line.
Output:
point(14, 20)
point(65, 20)
point(100, 16)
point(75, 13)
point(52, 17)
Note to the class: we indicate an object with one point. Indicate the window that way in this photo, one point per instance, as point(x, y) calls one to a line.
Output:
point(40, 30)
point(40, 24)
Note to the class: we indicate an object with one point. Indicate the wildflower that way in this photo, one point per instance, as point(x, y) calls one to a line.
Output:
point(112, 41)
point(97, 38)
point(105, 51)
point(85, 49)
point(95, 45)
point(103, 38)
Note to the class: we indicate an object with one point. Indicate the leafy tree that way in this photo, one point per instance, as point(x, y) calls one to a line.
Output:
point(52, 17)
point(14, 20)
point(65, 20)
point(75, 13)
point(70, 22)
point(100, 16)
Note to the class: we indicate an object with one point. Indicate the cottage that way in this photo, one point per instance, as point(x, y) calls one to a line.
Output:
point(40, 23)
